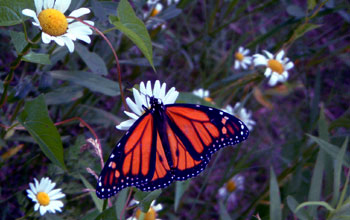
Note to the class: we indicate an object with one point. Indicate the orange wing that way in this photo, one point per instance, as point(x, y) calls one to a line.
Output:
point(132, 162)
point(195, 132)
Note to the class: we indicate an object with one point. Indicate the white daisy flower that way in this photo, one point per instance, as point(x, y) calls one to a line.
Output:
point(203, 94)
point(142, 100)
point(170, 2)
point(156, 7)
point(230, 189)
point(45, 197)
point(242, 58)
point(50, 18)
point(241, 113)
point(150, 215)
point(276, 66)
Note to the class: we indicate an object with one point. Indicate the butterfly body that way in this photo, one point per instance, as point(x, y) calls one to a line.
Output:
point(167, 143)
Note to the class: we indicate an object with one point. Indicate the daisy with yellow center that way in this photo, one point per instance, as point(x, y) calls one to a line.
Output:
point(151, 214)
point(242, 60)
point(45, 197)
point(50, 18)
point(203, 94)
point(231, 189)
point(276, 66)
point(142, 99)
point(242, 113)
point(155, 6)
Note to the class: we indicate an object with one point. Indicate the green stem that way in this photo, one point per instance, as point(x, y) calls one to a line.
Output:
point(13, 67)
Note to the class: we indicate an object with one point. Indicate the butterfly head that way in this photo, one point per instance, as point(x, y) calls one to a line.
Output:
point(154, 104)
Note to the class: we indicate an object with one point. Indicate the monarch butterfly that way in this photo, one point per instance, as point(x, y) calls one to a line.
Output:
point(167, 142)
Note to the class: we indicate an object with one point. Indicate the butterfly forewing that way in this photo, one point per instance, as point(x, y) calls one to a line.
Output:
point(132, 161)
point(195, 132)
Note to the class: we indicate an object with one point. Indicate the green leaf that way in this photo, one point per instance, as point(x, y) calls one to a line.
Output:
point(293, 204)
point(128, 23)
point(180, 189)
point(95, 63)
point(108, 214)
point(89, 80)
point(19, 41)
point(64, 95)
point(303, 29)
point(330, 149)
point(275, 199)
point(40, 58)
point(98, 202)
point(315, 203)
point(311, 4)
point(121, 202)
point(146, 198)
point(35, 118)
point(337, 172)
point(11, 11)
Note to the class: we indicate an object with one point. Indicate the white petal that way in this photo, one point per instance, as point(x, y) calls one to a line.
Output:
point(125, 125)
point(236, 64)
point(247, 60)
point(36, 24)
point(84, 38)
point(42, 210)
point(171, 97)
point(244, 66)
point(289, 66)
point(285, 75)
point(156, 89)
point(36, 206)
point(62, 5)
point(273, 80)
point(149, 88)
point(79, 30)
point(139, 100)
point(38, 5)
point(268, 72)
point(157, 207)
point(31, 195)
point(280, 55)
point(58, 40)
point(57, 196)
point(246, 52)
point(162, 91)
point(132, 115)
point(57, 204)
point(240, 49)
point(31, 185)
point(45, 37)
point(143, 88)
point(135, 108)
point(49, 3)
point(29, 13)
point(69, 43)
point(268, 54)
point(259, 60)
point(79, 12)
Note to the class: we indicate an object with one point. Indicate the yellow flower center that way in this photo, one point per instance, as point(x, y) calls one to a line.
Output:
point(150, 215)
point(231, 186)
point(275, 66)
point(208, 99)
point(154, 12)
point(53, 22)
point(239, 56)
point(43, 198)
